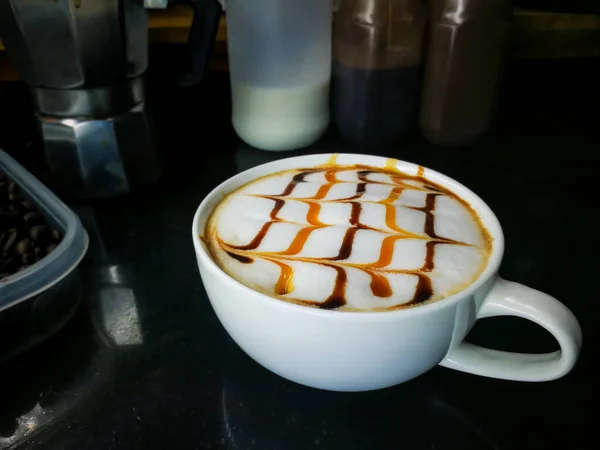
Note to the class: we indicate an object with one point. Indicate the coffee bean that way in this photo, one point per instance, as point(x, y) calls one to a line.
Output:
point(25, 236)
point(7, 240)
point(27, 205)
point(23, 246)
point(27, 259)
point(55, 235)
point(33, 218)
point(14, 207)
point(39, 233)
point(8, 265)
point(13, 215)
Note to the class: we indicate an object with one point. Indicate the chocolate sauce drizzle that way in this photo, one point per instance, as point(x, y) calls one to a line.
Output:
point(380, 285)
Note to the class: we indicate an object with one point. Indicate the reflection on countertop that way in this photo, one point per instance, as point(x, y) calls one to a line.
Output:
point(46, 385)
point(417, 416)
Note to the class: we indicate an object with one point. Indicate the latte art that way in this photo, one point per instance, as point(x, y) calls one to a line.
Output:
point(348, 237)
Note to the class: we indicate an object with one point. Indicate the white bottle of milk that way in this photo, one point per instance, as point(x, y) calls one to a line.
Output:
point(280, 67)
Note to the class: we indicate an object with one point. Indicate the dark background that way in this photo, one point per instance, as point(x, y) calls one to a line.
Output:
point(570, 6)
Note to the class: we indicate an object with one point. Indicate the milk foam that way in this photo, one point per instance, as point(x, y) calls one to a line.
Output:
point(353, 238)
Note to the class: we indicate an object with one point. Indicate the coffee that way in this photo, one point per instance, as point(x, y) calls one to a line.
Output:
point(376, 71)
point(355, 238)
point(382, 104)
point(463, 70)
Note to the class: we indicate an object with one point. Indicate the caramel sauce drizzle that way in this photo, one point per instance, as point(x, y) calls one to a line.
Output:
point(380, 284)
point(393, 196)
point(241, 258)
point(265, 228)
point(338, 296)
point(312, 216)
point(284, 283)
point(298, 243)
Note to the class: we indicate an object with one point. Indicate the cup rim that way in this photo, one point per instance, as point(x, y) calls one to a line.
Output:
point(485, 213)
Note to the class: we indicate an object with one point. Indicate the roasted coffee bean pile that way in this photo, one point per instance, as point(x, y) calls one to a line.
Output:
point(25, 237)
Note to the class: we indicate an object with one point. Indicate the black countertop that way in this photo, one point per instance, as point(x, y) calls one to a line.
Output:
point(145, 364)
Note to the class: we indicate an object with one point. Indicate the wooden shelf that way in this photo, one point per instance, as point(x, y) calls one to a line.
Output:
point(173, 25)
point(534, 34)
point(538, 34)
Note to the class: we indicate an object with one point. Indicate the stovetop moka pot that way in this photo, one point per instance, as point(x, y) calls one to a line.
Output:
point(85, 62)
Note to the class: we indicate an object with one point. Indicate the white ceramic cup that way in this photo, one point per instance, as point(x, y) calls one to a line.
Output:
point(360, 351)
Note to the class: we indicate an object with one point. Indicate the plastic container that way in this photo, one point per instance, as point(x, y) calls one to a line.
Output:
point(280, 68)
point(377, 68)
point(37, 301)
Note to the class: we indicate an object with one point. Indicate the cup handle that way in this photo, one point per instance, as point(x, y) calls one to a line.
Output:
point(507, 298)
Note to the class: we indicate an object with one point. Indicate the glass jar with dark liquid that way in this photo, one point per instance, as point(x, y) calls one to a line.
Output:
point(463, 69)
point(377, 62)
